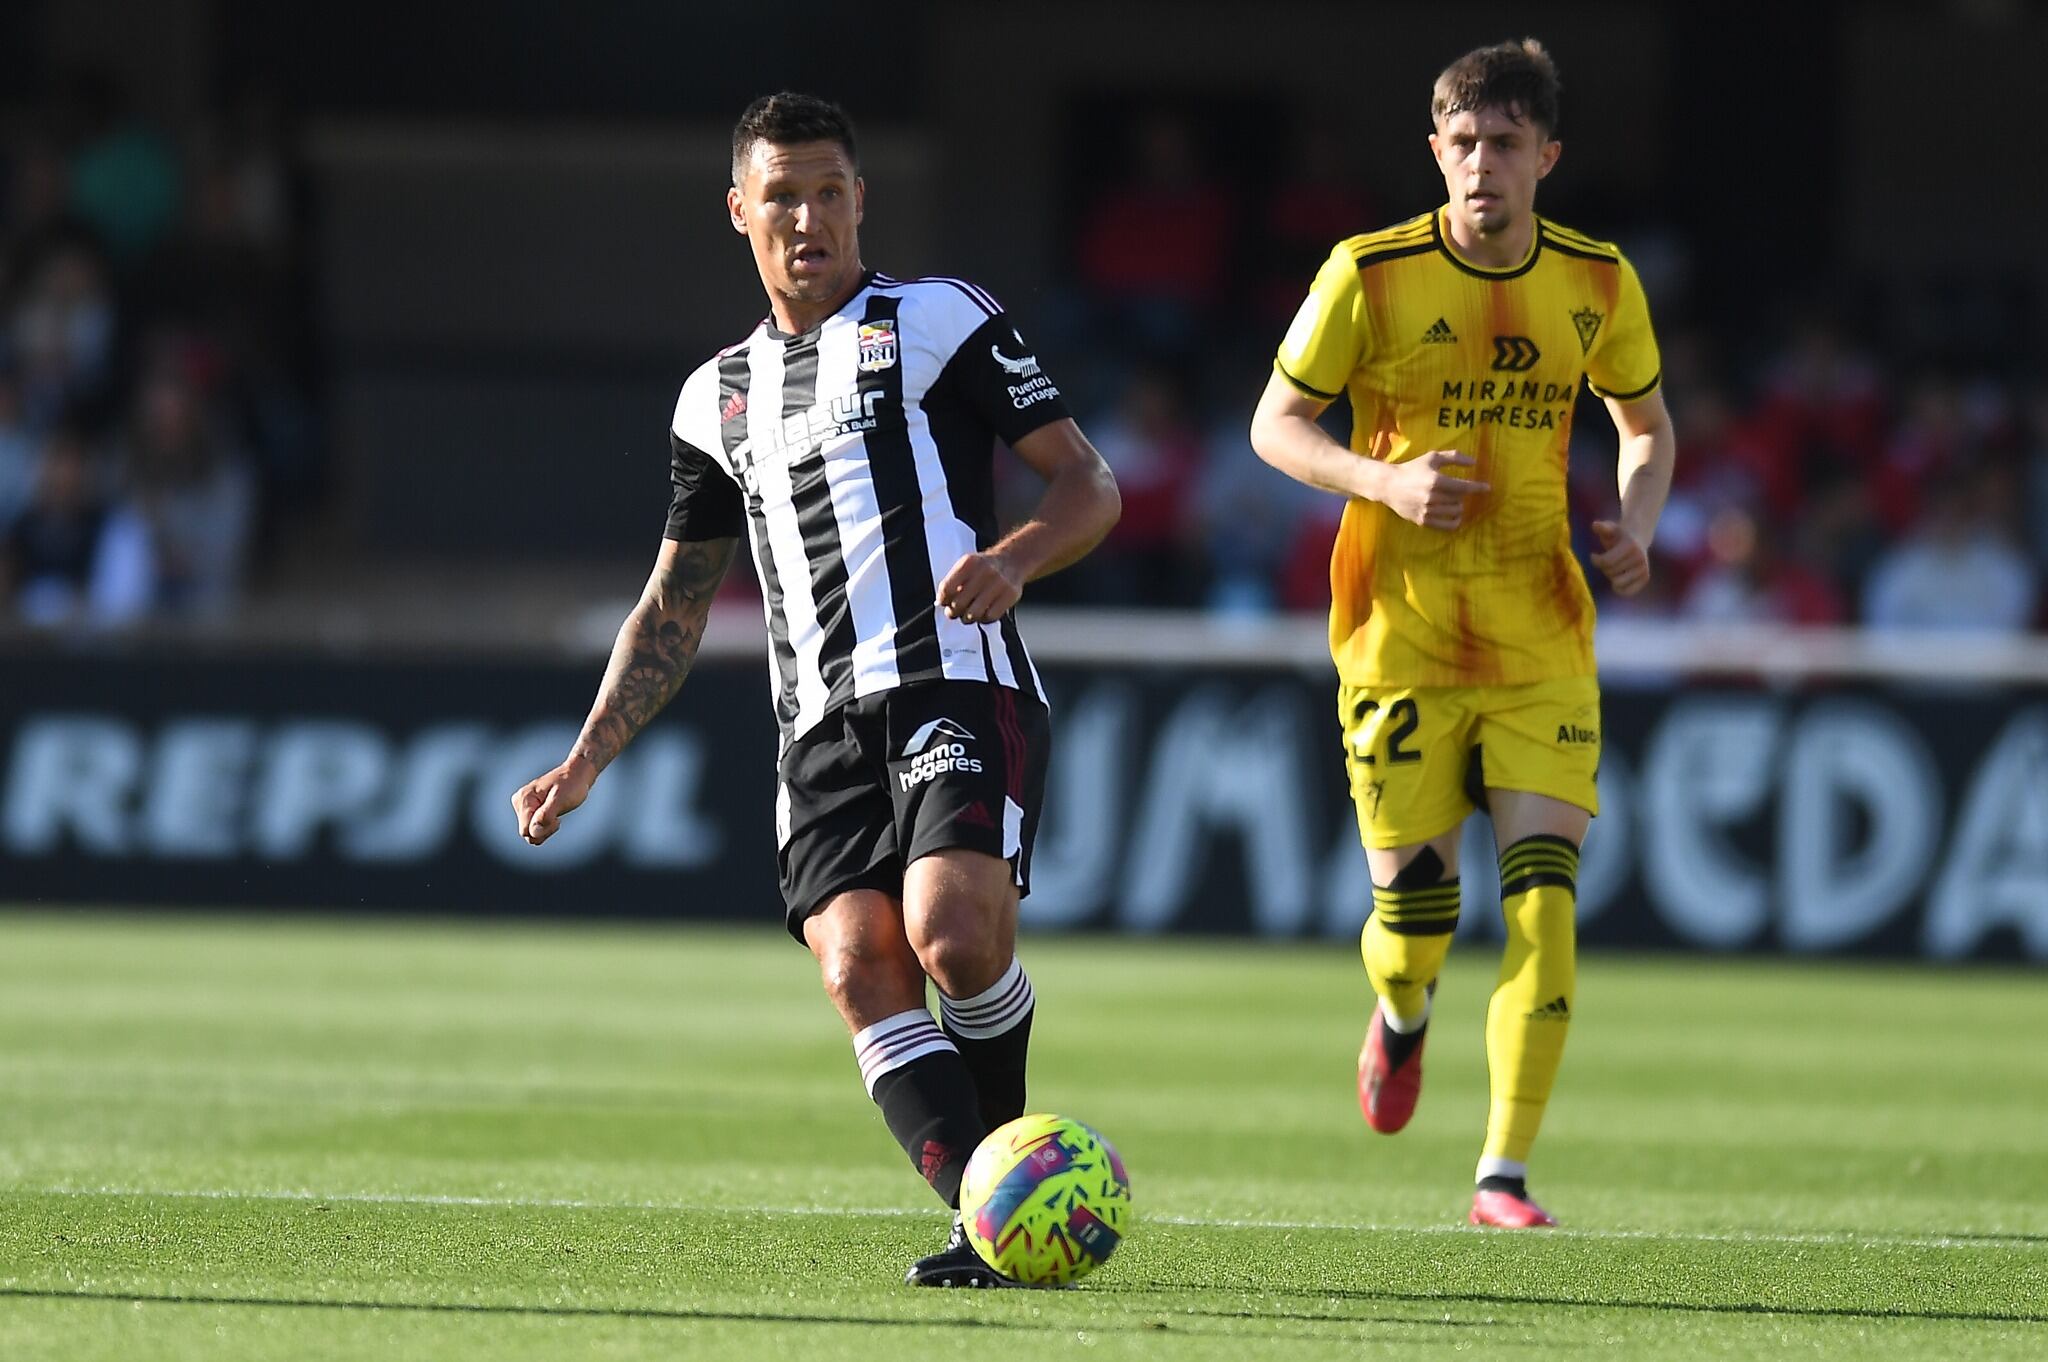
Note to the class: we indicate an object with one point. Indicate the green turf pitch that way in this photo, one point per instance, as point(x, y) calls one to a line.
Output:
point(252, 1138)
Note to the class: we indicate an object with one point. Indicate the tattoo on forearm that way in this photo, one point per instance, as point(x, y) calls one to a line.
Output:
point(655, 648)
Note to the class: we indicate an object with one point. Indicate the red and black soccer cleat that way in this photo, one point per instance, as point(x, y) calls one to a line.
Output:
point(1507, 1211)
point(1387, 1093)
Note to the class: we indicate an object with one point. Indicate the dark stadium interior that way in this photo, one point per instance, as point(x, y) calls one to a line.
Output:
point(338, 290)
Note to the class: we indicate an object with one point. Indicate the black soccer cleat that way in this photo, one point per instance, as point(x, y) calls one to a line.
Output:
point(957, 1264)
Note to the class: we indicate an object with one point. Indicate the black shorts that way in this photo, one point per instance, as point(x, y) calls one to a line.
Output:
point(890, 777)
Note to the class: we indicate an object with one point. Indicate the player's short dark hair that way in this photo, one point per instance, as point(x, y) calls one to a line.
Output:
point(787, 118)
point(1518, 78)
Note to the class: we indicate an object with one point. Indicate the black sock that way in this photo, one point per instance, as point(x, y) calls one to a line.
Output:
point(934, 1112)
point(997, 1063)
point(1399, 1045)
point(993, 1032)
point(1495, 1182)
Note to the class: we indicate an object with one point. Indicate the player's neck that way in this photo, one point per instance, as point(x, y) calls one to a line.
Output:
point(794, 316)
point(1491, 250)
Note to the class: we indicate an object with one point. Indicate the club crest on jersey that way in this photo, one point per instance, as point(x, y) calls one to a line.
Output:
point(1588, 321)
point(877, 346)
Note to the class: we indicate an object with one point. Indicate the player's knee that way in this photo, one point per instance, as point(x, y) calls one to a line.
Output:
point(863, 975)
point(961, 955)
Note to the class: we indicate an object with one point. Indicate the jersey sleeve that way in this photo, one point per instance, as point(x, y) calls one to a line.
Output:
point(1326, 341)
point(1624, 363)
point(707, 502)
point(1000, 377)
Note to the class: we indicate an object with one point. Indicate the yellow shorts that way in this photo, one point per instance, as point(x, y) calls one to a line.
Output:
point(1418, 756)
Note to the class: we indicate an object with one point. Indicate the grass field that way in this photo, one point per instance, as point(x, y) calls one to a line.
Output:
point(228, 1139)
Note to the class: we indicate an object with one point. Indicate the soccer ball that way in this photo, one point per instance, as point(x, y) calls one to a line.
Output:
point(1045, 1200)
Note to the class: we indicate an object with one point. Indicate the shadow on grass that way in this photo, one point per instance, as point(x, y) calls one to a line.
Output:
point(1590, 1303)
point(698, 1316)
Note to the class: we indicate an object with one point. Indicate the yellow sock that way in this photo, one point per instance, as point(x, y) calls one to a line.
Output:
point(1532, 1005)
point(1404, 944)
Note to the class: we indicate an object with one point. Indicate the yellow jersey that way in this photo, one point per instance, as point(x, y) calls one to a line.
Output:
point(1435, 352)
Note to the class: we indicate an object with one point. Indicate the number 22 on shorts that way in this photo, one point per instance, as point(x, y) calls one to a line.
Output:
point(1400, 725)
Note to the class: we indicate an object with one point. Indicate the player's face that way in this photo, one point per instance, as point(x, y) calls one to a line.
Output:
point(799, 206)
point(1491, 164)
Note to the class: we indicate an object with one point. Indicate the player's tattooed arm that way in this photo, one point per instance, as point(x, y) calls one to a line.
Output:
point(655, 646)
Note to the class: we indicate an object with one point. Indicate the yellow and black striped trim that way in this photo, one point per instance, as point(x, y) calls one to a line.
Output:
point(1568, 242)
point(1643, 391)
point(1413, 237)
point(1537, 861)
point(1432, 911)
point(1304, 389)
point(1437, 241)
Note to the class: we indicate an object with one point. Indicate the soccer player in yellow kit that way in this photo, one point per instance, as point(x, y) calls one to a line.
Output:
point(1460, 621)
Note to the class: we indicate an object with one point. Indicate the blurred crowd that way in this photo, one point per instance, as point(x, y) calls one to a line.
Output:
point(1824, 476)
point(158, 372)
point(155, 421)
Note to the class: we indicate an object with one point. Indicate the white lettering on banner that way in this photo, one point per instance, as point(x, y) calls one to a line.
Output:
point(659, 828)
point(1843, 755)
point(1996, 875)
point(314, 775)
point(209, 788)
point(1074, 865)
point(1235, 766)
point(192, 806)
point(1605, 858)
point(72, 775)
point(416, 816)
point(1347, 881)
point(1609, 851)
point(1709, 764)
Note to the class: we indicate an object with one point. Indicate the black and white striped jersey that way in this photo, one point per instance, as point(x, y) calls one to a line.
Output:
point(859, 457)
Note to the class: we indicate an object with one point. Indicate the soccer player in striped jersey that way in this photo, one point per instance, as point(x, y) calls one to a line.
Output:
point(850, 436)
point(1460, 620)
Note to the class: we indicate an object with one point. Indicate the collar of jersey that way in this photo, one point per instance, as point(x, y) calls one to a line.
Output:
point(773, 332)
point(1443, 243)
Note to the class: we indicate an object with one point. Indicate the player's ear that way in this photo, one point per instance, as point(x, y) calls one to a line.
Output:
point(860, 200)
point(1546, 159)
point(735, 207)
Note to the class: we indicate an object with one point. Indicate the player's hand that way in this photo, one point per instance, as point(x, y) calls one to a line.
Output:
point(541, 803)
point(1421, 491)
point(1626, 563)
point(981, 587)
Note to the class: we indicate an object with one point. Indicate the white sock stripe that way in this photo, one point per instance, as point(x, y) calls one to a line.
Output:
point(990, 1031)
point(894, 1041)
point(889, 1028)
point(986, 1018)
point(883, 1065)
point(993, 998)
point(982, 1013)
point(1001, 987)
